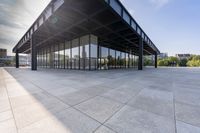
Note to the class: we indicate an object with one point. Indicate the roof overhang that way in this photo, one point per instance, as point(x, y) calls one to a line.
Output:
point(75, 18)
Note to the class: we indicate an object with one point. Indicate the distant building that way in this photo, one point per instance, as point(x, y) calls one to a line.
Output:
point(10, 60)
point(7, 61)
point(163, 55)
point(183, 56)
point(3, 53)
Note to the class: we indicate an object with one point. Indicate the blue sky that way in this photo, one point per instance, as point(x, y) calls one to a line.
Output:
point(173, 25)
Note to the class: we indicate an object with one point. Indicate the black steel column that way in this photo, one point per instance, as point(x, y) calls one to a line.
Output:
point(156, 59)
point(140, 63)
point(33, 54)
point(17, 59)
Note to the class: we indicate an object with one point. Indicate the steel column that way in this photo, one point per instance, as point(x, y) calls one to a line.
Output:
point(33, 55)
point(141, 48)
point(17, 59)
point(156, 59)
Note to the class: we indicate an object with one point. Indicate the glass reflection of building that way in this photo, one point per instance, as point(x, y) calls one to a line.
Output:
point(84, 53)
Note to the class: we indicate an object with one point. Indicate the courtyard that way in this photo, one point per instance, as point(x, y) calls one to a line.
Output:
point(163, 100)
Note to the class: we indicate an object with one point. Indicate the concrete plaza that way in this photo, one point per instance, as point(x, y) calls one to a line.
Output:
point(163, 100)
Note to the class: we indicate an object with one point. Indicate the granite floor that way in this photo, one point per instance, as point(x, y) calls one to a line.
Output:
point(163, 100)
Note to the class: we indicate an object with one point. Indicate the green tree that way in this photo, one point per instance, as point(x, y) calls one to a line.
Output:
point(163, 62)
point(183, 62)
point(194, 61)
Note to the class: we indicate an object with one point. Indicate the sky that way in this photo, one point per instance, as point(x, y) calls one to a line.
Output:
point(173, 25)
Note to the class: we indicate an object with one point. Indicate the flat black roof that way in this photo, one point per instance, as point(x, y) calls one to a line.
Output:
point(108, 19)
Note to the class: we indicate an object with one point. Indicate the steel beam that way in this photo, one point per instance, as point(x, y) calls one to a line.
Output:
point(141, 48)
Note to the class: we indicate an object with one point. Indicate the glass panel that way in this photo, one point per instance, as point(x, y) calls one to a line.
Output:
point(93, 51)
point(116, 6)
point(104, 58)
point(123, 59)
point(136, 61)
point(48, 58)
point(112, 59)
point(131, 60)
point(75, 54)
point(67, 55)
point(126, 17)
point(84, 52)
point(118, 59)
point(56, 57)
point(44, 57)
point(57, 4)
point(62, 55)
point(127, 60)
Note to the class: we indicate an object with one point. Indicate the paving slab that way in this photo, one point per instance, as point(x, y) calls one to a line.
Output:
point(77, 122)
point(99, 108)
point(129, 120)
point(186, 128)
point(188, 97)
point(155, 101)
point(104, 129)
point(6, 115)
point(122, 94)
point(4, 104)
point(75, 97)
point(188, 114)
point(120, 101)
point(8, 126)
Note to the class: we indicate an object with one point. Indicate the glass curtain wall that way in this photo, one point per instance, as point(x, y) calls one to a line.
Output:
point(84, 53)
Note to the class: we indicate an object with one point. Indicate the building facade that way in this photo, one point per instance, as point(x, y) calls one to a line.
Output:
point(183, 56)
point(3, 53)
point(86, 35)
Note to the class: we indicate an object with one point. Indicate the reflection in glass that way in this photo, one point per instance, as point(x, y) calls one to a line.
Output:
point(93, 52)
point(61, 55)
point(112, 59)
point(75, 54)
point(103, 61)
point(67, 54)
point(84, 52)
point(56, 58)
point(118, 59)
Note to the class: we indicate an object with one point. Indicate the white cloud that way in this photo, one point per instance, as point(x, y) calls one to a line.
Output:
point(16, 16)
point(159, 3)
